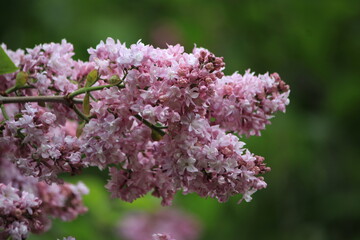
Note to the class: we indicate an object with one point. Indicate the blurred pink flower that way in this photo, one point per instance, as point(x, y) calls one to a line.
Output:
point(171, 224)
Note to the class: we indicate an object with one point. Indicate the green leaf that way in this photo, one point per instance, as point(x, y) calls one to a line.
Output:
point(6, 65)
point(86, 104)
point(91, 78)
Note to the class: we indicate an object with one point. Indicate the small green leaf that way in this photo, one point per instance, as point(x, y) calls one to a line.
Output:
point(91, 78)
point(6, 65)
point(86, 104)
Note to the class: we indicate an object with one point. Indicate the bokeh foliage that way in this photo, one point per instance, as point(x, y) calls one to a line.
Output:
point(313, 189)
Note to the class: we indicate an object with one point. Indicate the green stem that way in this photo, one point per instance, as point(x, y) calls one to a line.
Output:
point(90, 89)
point(150, 125)
point(3, 111)
point(11, 89)
point(80, 114)
point(14, 88)
point(40, 99)
point(69, 100)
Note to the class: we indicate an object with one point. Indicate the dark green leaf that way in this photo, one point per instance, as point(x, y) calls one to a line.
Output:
point(6, 65)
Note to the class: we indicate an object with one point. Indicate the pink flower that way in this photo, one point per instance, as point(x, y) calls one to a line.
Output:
point(20, 213)
point(245, 103)
point(173, 224)
point(159, 236)
point(63, 201)
point(162, 121)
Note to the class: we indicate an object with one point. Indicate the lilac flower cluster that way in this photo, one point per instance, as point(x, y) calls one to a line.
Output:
point(160, 236)
point(170, 223)
point(26, 204)
point(50, 67)
point(187, 94)
point(63, 201)
point(161, 121)
point(45, 150)
point(20, 212)
point(245, 103)
point(50, 70)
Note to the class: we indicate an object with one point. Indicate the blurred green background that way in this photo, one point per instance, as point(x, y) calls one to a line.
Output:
point(313, 189)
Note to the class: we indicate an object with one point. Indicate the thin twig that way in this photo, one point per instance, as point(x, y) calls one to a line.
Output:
point(3, 111)
point(150, 125)
point(79, 113)
point(24, 99)
point(88, 89)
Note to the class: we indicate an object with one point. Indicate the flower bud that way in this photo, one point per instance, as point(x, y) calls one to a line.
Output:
point(155, 136)
point(91, 78)
point(209, 66)
point(21, 79)
point(114, 79)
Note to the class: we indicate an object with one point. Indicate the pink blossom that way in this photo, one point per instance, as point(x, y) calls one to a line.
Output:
point(159, 236)
point(63, 201)
point(38, 199)
point(20, 212)
point(246, 103)
point(55, 152)
point(171, 223)
point(161, 121)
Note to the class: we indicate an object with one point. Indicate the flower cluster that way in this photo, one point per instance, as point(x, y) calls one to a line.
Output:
point(63, 201)
point(20, 212)
point(245, 103)
point(46, 149)
point(171, 222)
point(160, 236)
point(50, 68)
point(161, 121)
point(185, 94)
point(26, 204)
